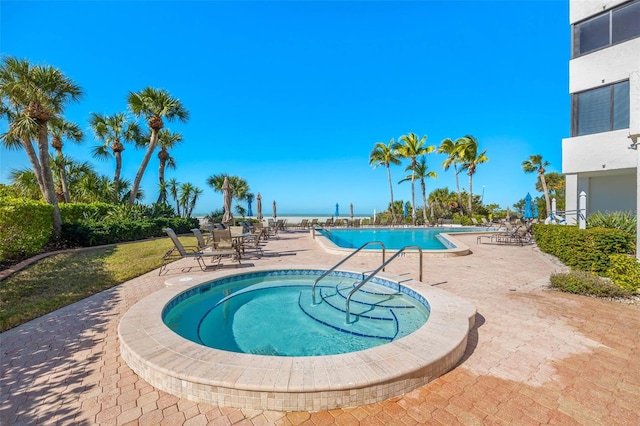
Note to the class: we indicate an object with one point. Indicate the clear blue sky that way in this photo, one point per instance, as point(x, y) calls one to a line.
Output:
point(292, 96)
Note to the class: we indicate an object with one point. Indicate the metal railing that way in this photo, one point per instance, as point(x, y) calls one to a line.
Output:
point(380, 268)
point(313, 287)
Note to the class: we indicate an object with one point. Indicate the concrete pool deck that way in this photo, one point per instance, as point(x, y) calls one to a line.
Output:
point(534, 357)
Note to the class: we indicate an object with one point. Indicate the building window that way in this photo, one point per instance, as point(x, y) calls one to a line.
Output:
point(601, 110)
point(611, 27)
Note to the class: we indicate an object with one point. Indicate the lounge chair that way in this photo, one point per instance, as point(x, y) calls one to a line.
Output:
point(304, 224)
point(202, 243)
point(179, 252)
point(252, 242)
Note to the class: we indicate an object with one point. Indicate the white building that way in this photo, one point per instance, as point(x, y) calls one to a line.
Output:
point(602, 155)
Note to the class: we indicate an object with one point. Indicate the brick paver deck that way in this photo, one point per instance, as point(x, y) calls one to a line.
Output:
point(535, 357)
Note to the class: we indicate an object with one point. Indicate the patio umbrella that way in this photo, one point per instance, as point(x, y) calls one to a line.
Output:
point(535, 210)
point(274, 210)
point(405, 211)
point(249, 212)
point(351, 210)
point(527, 207)
point(337, 213)
point(226, 195)
point(259, 207)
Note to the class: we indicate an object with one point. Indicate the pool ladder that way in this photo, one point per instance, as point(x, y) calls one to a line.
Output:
point(371, 275)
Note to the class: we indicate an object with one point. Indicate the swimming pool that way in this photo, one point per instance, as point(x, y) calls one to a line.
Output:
point(190, 370)
point(395, 238)
point(272, 313)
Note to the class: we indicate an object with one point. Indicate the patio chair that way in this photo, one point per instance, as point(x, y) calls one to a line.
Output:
point(253, 242)
point(179, 252)
point(202, 243)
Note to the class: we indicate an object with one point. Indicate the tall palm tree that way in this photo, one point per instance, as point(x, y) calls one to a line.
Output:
point(154, 105)
point(186, 192)
point(535, 163)
point(174, 187)
point(166, 141)
point(413, 147)
point(36, 94)
point(422, 172)
point(114, 131)
point(452, 150)
point(470, 160)
point(195, 196)
point(386, 155)
point(60, 129)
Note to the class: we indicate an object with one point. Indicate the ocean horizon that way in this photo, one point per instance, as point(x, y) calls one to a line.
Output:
point(269, 215)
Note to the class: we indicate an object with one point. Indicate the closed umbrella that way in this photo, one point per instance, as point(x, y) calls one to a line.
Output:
point(527, 207)
point(351, 210)
point(337, 212)
point(535, 210)
point(259, 207)
point(249, 212)
point(274, 210)
point(226, 195)
point(405, 211)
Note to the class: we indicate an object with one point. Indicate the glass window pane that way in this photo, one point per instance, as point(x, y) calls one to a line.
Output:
point(626, 23)
point(621, 105)
point(594, 111)
point(593, 34)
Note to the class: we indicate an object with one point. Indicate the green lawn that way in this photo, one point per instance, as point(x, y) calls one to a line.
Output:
point(62, 279)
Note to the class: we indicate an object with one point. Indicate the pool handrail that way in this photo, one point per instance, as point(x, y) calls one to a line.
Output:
point(333, 268)
point(380, 268)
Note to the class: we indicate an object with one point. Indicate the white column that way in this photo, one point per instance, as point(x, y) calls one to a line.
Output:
point(553, 206)
point(582, 210)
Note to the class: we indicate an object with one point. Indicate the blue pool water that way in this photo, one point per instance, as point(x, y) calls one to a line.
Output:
point(272, 313)
point(393, 238)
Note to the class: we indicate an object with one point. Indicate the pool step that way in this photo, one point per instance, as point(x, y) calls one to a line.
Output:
point(366, 320)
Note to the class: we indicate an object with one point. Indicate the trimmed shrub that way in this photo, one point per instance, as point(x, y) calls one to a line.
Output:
point(584, 249)
point(625, 272)
point(25, 227)
point(92, 233)
point(75, 212)
point(581, 282)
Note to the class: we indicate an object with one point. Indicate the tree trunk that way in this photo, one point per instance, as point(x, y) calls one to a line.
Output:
point(145, 161)
point(470, 193)
point(35, 164)
point(162, 196)
point(424, 201)
point(455, 169)
point(543, 181)
point(413, 192)
point(63, 177)
point(393, 210)
point(47, 177)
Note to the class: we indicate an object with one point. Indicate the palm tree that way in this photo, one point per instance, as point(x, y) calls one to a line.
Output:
point(535, 163)
point(421, 172)
point(114, 131)
point(442, 202)
point(412, 148)
point(386, 155)
point(166, 141)
point(37, 95)
point(25, 183)
point(195, 196)
point(155, 105)
point(173, 186)
point(470, 159)
point(60, 129)
point(238, 186)
point(452, 149)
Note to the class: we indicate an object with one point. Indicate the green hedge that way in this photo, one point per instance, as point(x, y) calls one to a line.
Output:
point(75, 212)
point(584, 249)
point(25, 227)
point(92, 233)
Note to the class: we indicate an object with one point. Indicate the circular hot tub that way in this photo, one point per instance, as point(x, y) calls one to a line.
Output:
point(164, 338)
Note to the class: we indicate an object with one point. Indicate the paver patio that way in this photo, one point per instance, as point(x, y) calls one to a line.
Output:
point(536, 356)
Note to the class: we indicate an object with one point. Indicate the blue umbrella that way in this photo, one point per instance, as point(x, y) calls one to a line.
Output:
point(249, 212)
point(527, 207)
point(405, 212)
point(337, 213)
point(535, 211)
